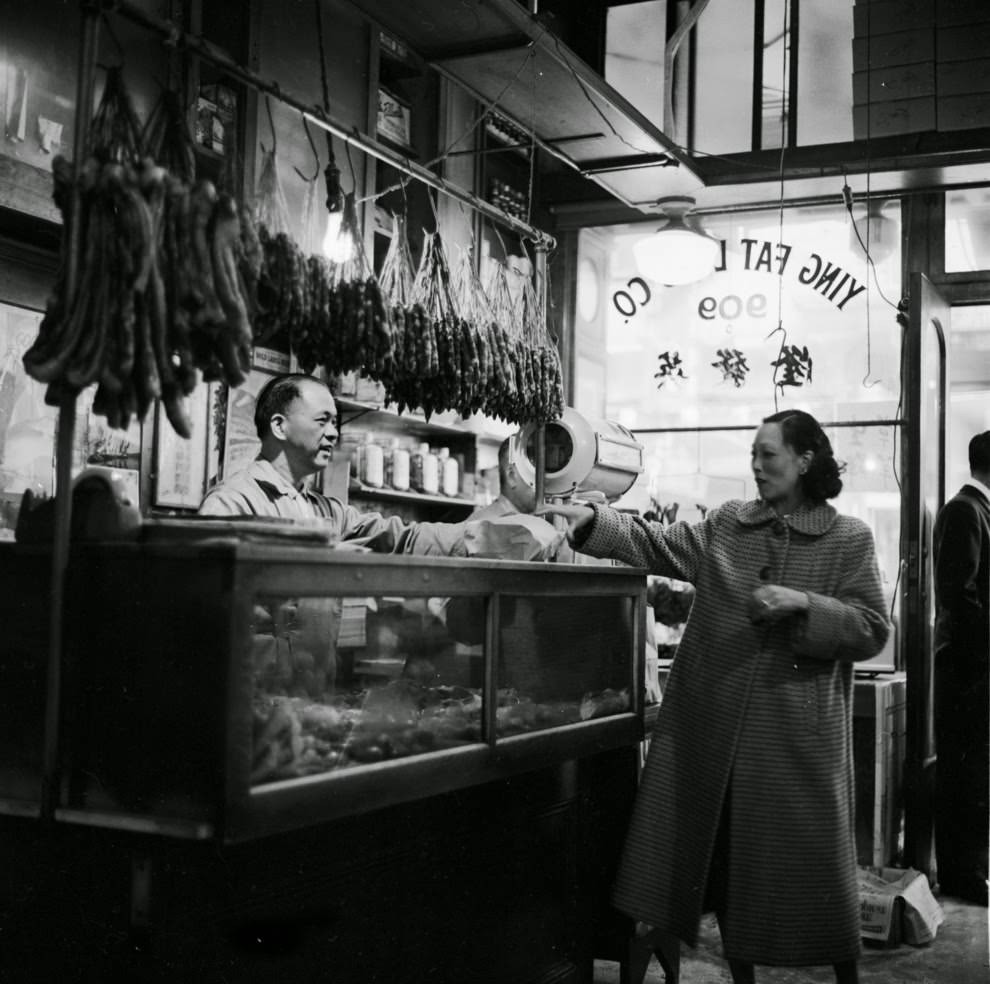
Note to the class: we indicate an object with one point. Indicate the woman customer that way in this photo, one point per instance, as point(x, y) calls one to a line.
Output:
point(746, 800)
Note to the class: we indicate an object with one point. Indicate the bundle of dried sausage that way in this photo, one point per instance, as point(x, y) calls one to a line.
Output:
point(165, 277)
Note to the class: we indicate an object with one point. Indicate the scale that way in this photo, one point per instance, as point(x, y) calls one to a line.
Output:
point(584, 458)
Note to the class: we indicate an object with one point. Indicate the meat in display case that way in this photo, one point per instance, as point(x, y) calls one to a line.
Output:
point(228, 687)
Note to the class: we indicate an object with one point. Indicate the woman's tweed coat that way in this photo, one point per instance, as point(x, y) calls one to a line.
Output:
point(762, 714)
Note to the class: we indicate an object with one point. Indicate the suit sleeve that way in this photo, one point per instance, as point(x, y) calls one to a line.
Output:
point(850, 624)
point(958, 534)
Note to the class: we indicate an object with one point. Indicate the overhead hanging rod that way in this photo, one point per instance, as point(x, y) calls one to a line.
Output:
point(171, 34)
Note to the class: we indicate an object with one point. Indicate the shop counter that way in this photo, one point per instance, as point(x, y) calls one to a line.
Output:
point(286, 756)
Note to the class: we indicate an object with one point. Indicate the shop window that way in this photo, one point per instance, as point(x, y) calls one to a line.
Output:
point(801, 281)
point(635, 35)
point(969, 388)
point(967, 230)
point(798, 61)
point(692, 370)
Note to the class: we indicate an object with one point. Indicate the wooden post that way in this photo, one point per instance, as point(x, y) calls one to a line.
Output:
point(88, 47)
point(540, 457)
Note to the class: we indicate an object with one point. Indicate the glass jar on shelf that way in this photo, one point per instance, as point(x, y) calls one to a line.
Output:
point(423, 471)
point(373, 464)
point(397, 467)
point(449, 473)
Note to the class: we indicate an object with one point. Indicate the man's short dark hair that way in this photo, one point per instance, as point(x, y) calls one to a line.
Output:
point(276, 396)
point(979, 453)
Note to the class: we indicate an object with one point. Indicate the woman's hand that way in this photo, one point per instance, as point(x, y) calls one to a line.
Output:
point(577, 516)
point(773, 602)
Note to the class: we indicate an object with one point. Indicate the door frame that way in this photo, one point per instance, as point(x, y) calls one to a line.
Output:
point(928, 311)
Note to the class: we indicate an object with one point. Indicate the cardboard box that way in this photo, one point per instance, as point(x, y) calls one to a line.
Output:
point(961, 78)
point(962, 43)
point(209, 130)
point(898, 116)
point(216, 117)
point(357, 387)
point(966, 112)
point(961, 12)
point(897, 905)
point(888, 16)
point(894, 82)
point(224, 98)
point(898, 48)
point(879, 734)
point(393, 118)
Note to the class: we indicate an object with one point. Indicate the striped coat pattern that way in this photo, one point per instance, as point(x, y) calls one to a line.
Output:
point(761, 714)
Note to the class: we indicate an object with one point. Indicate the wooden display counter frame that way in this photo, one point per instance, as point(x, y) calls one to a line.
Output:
point(157, 716)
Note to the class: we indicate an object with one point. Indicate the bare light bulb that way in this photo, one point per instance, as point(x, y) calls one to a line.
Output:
point(338, 246)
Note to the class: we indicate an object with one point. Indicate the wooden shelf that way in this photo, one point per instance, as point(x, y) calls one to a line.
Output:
point(411, 421)
point(414, 498)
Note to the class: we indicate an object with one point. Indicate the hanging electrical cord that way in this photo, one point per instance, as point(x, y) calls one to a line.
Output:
point(493, 107)
point(587, 95)
point(784, 136)
point(532, 148)
point(311, 234)
point(335, 197)
point(847, 198)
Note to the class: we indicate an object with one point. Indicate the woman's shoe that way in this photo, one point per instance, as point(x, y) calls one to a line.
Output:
point(648, 942)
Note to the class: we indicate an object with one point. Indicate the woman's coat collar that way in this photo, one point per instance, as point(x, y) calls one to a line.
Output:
point(812, 520)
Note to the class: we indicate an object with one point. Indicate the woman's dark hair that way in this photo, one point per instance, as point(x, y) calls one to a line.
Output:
point(803, 433)
point(276, 396)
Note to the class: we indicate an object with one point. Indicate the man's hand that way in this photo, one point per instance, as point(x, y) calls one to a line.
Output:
point(576, 516)
point(773, 602)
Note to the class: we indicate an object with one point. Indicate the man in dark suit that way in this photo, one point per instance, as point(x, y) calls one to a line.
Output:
point(962, 652)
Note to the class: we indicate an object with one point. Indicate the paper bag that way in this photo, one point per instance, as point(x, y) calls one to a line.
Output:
point(515, 537)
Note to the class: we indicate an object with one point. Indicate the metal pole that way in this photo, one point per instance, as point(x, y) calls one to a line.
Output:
point(88, 46)
point(540, 462)
point(204, 50)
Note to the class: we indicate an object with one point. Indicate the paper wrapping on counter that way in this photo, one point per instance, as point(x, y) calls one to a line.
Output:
point(515, 537)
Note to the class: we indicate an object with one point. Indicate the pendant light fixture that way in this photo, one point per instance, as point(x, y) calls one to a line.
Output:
point(335, 248)
point(678, 252)
point(874, 233)
point(337, 243)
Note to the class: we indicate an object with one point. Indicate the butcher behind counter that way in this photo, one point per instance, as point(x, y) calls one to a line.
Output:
point(296, 420)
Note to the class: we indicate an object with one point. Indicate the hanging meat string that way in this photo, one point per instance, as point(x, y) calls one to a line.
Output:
point(115, 238)
point(477, 324)
point(544, 379)
point(208, 261)
point(396, 279)
point(280, 283)
point(165, 272)
point(177, 281)
point(343, 323)
point(505, 396)
point(360, 327)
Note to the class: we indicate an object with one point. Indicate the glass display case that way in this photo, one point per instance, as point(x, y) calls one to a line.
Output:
point(233, 688)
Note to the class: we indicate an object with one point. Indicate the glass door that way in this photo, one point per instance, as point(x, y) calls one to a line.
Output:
point(969, 388)
point(926, 374)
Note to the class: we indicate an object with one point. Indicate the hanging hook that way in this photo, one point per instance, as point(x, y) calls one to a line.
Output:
point(316, 154)
point(271, 124)
point(350, 165)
